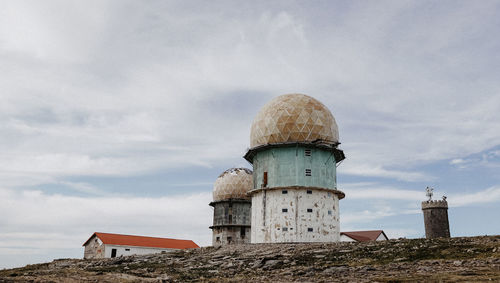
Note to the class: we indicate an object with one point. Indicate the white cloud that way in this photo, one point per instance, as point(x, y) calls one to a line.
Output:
point(490, 195)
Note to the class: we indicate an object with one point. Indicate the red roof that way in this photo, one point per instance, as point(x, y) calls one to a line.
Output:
point(364, 236)
point(140, 241)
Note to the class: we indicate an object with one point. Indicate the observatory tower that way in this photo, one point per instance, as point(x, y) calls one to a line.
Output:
point(232, 207)
point(294, 151)
point(435, 217)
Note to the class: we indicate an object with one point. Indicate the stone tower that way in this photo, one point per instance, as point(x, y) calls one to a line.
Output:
point(435, 217)
point(294, 152)
point(232, 207)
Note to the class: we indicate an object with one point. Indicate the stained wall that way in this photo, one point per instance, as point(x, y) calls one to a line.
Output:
point(299, 215)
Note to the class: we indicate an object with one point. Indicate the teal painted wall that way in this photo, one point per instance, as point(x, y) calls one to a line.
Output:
point(286, 167)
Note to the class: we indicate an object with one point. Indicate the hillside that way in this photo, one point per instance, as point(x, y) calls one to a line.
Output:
point(471, 259)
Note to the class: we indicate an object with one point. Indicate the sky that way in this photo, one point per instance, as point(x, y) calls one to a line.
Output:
point(118, 116)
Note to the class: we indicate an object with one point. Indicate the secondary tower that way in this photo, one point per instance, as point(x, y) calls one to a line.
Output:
point(231, 224)
point(435, 217)
point(294, 151)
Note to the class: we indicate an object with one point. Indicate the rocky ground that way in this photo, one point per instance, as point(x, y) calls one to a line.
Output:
point(474, 259)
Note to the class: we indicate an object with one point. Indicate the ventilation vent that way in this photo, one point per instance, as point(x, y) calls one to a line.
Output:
point(307, 152)
point(308, 172)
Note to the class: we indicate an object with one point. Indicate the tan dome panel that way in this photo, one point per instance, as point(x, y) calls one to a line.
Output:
point(233, 184)
point(293, 118)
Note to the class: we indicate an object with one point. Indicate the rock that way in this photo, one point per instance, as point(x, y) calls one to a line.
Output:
point(335, 269)
point(457, 263)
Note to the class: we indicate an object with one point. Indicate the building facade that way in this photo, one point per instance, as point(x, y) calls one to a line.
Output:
point(294, 152)
point(232, 207)
point(107, 245)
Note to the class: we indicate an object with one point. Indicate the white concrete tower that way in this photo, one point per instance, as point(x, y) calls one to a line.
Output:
point(294, 152)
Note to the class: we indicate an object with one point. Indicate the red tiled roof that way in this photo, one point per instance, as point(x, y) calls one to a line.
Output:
point(140, 241)
point(364, 236)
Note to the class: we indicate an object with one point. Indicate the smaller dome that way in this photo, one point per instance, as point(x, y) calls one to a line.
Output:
point(233, 183)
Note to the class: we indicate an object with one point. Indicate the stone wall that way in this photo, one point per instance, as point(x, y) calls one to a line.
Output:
point(436, 219)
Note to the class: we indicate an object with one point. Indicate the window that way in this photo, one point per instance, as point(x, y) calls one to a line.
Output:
point(264, 179)
point(284, 210)
point(127, 250)
point(284, 192)
point(230, 219)
point(285, 229)
point(309, 229)
point(113, 252)
point(242, 232)
point(309, 210)
point(309, 192)
point(329, 212)
point(229, 239)
point(307, 152)
point(217, 239)
point(308, 172)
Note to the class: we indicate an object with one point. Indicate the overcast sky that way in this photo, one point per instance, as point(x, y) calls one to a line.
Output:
point(118, 116)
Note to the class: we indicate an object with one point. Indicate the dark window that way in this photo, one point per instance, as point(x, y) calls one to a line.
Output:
point(284, 192)
point(309, 192)
point(242, 232)
point(264, 181)
point(308, 172)
point(309, 229)
point(230, 219)
point(229, 239)
point(307, 152)
point(113, 252)
point(309, 210)
point(127, 250)
point(285, 229)
point(284, 210)
point(217, 239)
point(230, 204)
point(329, 212)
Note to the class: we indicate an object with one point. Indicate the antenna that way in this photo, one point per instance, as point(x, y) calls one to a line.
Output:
point(429, 192)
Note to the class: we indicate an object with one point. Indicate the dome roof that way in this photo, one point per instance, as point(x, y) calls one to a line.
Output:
point(233, 183)
point(293, 118)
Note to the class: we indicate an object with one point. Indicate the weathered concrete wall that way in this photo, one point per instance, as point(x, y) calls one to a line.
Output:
point(131, 250)
point(295, 216)
point(436, 219)
point(231, 235)
point(232, 212)
point(231, 222)
point(287, 166)
point(94, 249)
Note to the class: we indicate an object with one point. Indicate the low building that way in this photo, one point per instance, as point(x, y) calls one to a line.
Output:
point(363, 236)
point(106, 245)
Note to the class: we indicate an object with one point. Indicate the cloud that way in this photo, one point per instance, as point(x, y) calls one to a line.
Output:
point(489, 195)
point(378, 171)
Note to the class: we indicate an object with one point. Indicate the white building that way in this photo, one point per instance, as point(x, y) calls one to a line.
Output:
point(294, 151)
point(363, 236)
point(106, 245)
